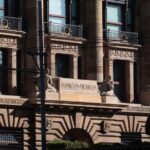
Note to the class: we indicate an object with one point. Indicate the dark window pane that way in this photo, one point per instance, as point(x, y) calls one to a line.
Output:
point(74, 8)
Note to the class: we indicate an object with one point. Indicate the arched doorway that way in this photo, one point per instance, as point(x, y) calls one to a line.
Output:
point(78, 135)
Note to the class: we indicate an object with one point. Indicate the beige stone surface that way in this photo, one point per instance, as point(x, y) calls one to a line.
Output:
point(90, 98)
point(79, 90)
point(112, 99)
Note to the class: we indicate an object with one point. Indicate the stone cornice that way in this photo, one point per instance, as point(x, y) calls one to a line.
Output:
point(12, 100)
point(66, 39)
point(12, 33)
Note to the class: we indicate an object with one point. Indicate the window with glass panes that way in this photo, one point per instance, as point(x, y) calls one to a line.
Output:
point(1, 8)
point(63, 11)
point(114, 17)
point(120, 16)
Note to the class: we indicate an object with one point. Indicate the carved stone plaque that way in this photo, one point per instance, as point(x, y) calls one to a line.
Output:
point(120, 54)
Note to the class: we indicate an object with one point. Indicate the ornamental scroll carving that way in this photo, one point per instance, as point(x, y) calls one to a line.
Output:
point(8, 42)
point(127, 55)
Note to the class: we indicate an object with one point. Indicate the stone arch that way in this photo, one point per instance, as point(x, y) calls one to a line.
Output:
point(76, 134)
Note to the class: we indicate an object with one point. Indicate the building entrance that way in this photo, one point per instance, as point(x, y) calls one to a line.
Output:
point(62, 65)
point(119, 76)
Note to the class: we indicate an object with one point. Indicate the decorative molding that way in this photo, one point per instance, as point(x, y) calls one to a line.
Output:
point(49, 123)
point(105, 126)
point(65, 47)
point(9, 101)
point(8, 42)
point(120, 54)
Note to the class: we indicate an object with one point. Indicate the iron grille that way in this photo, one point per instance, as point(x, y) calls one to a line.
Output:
point(64, 29)
point(10, 23)
point(121, 36)
point(11, 139)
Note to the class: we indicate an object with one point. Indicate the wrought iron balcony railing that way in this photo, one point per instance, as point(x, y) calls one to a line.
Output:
point(121, 36)
point(10, 23)
point(65, 29)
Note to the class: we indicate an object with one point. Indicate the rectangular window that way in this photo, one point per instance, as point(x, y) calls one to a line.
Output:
point(114, 17)
point(57, 7)
point(1, 7)
point(114, 14)
point(63, 11)
point(57, 11)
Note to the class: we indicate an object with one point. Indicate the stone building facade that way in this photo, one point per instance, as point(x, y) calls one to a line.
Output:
point(85, 41)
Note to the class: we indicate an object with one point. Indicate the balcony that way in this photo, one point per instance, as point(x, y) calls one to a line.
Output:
point(10, 23)
point(121, 37)
point(64, 30)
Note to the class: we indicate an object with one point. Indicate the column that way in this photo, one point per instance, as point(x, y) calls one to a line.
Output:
point(12, 75)
point(53, 65)
point(99, 40)
point(130, 81)
point(74, 67)
point(94, 53)
point(109, 68)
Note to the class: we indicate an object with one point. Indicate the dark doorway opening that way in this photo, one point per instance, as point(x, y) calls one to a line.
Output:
point(62, 65)
point(119, 76)
point(78, 135)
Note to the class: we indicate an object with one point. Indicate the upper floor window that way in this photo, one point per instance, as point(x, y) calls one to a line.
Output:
point(63, 11)
point(57, 11)
point(120, 16)
point(1, 7)
point(114, 17)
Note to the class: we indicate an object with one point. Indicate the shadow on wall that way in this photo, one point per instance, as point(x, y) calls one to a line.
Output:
point(147, 126)
point(78, 135)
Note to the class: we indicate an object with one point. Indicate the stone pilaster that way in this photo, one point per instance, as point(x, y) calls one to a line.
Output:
point(53, 66)
point(109, 68)
point(99, 43)
point(12, 76)
point(95, 46)
point(74, 67)
point(130, 81)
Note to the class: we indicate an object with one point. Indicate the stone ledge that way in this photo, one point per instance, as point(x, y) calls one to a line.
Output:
point(12, 100)
point(83, 105)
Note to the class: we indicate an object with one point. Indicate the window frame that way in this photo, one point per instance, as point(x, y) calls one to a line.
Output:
point(117, 24)
point(68, 13)
point(125, 26)
point(3, 8)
